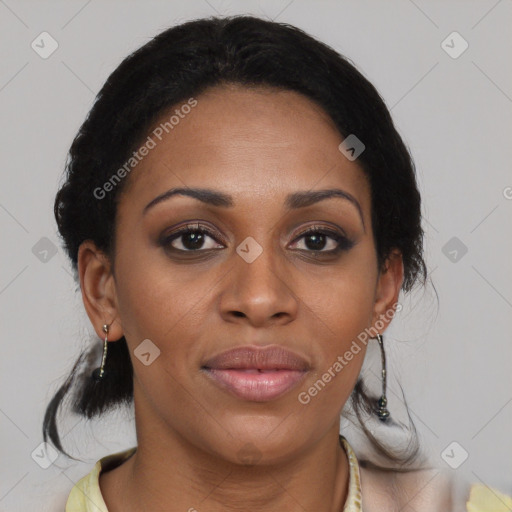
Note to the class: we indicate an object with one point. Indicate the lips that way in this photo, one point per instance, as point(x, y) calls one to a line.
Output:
point(258, 358)
point(256, 373)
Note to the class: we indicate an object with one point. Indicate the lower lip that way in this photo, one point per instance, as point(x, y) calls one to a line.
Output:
point(256, 386)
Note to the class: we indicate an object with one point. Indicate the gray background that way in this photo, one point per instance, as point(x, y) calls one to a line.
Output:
point(455, 114)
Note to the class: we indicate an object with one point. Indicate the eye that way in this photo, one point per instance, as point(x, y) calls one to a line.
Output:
point(191, 238)
point(322, 240)
point(194, 238)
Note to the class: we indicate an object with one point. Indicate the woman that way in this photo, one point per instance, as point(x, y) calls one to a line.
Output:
point(242, 216)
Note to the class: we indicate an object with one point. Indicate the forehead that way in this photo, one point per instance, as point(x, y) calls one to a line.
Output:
point(259, 142)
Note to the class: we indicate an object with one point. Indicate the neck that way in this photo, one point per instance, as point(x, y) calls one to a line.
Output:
point(168, 470)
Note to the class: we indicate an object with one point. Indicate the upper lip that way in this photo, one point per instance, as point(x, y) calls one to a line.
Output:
point(271, 357)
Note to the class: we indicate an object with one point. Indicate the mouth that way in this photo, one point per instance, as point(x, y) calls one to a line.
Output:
point(257, 374)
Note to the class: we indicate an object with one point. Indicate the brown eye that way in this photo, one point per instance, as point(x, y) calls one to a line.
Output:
point(191, 239)
point(320, 239)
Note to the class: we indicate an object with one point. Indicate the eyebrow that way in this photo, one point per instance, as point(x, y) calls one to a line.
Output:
point(293, 201)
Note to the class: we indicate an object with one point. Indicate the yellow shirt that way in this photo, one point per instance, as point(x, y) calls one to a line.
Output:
point(86, 494)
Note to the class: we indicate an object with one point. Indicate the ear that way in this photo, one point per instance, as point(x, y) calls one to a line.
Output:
point(387, 290)
point(98, 290)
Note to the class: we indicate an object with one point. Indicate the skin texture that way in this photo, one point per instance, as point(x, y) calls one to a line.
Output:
point(258, 145)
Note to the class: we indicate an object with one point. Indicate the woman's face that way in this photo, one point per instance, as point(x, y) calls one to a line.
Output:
point(254, 279)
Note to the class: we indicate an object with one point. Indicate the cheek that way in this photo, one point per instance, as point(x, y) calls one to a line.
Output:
point(341, 304)
point(152, 307)
point(168, 306)
point(336, 325)
point(153, 295)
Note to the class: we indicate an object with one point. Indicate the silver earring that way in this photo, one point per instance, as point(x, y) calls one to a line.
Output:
point(382, 411)
point(99, 373)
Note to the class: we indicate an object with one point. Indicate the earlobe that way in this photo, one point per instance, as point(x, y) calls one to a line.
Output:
point(388, 289)
point(98, 290)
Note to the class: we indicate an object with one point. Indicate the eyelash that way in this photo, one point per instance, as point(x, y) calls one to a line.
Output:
point(343, 243)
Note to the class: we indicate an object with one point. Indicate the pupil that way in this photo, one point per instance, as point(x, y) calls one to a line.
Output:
point(193, 240)
point(318, 242)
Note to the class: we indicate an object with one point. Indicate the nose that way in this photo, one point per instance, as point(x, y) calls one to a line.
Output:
point(259, 293)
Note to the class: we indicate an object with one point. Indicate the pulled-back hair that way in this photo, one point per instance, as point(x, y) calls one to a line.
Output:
point(180, 63)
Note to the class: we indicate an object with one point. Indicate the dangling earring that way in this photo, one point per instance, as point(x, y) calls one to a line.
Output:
point(382, 411)
point(99, 373)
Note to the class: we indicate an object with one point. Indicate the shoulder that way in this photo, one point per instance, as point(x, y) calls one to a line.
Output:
point(421, 490)
point(85, 496)
point(427, 490)
point(487, 499)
